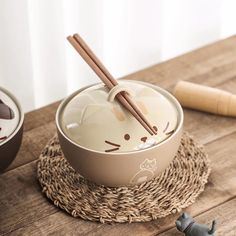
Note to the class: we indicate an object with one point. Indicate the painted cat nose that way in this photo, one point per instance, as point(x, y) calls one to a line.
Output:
point(144, 139)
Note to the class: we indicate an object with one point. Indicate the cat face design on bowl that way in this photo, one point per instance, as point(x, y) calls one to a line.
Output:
point(6, 113)
point(108, 127)
point(146, 171)
point(143, 141)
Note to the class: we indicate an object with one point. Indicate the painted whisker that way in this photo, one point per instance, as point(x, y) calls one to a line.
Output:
point(117, 146)
point(2, 138)
point(112, 150)
point(167, 125)
point(114, 144)
point(170, 132)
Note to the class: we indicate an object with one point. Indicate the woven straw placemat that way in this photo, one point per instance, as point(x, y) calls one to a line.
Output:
point(176, 188)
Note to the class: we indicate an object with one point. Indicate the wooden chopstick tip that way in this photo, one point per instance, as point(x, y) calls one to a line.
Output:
point(75, 35)
point(69, 38)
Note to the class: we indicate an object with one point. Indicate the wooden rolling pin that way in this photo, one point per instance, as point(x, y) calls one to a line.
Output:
point(205, 98)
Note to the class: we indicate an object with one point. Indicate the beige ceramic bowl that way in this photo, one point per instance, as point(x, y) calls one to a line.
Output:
point(121, 169)
point(10, 146)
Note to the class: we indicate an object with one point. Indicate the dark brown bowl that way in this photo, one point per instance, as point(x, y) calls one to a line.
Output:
point(10, 146)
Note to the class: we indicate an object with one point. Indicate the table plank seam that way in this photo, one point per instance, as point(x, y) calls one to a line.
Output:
point(30, 223)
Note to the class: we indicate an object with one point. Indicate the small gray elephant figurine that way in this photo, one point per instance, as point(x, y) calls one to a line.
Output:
point(186, 224)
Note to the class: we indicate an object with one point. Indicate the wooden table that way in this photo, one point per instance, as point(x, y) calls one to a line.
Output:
point(24, 210)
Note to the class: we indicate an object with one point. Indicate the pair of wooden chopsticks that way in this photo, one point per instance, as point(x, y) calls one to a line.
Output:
point(87, 54)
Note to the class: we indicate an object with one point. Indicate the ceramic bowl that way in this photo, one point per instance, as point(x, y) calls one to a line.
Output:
point(125, 168)
point(10, 146)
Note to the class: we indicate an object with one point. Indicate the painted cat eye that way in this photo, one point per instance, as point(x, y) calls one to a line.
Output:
point(126, 136)
point(155, 128)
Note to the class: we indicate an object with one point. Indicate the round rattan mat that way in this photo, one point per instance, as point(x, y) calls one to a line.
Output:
point(176, 188)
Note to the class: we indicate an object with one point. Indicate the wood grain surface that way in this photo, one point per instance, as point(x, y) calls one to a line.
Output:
point(24, 210)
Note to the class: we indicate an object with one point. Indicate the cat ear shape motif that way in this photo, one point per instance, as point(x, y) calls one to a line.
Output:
point(146, 92)
point(90, 111)
point(100, 110)
point(140, 98)
point(142, 107)
point(119, 114)
point(185, 215)
point(85, 100)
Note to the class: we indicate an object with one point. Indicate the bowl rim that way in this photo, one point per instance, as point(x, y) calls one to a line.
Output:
point(21, 116)
point(164, 92)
